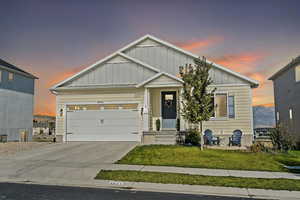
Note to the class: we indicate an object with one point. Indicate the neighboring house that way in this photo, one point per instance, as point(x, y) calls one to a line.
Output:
point(43, 124)
point(286, 84)
point(16, 102)
point(120, 97)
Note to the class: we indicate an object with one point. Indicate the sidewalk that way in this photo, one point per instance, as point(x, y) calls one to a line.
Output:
point(168, 188)
point(205, 172)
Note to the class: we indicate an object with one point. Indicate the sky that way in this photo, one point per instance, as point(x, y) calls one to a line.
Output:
point(54, 39)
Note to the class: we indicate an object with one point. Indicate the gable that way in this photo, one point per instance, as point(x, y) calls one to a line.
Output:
point(168, 60)
point(115, 71)
point(163, 80)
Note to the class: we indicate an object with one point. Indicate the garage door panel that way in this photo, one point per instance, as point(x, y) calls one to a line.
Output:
point(103, 125)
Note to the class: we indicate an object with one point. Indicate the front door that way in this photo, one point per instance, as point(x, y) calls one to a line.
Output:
point(168, 109)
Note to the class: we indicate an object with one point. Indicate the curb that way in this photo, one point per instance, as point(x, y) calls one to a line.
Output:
point(166, 188)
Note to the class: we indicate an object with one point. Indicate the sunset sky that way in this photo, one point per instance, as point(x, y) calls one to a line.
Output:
point(54, 39)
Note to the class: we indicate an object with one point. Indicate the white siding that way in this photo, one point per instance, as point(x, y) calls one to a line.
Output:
point(116, 71)
point(168, 60)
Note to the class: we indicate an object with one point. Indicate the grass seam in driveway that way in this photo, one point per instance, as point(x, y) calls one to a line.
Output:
point(176, 178)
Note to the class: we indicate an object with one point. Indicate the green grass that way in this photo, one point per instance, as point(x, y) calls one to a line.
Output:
point(181, 156)
point(175, 178)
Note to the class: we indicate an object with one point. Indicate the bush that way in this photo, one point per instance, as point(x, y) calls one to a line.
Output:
point(157, 122)
point(192, 137)
point(282, 140)
point(258, 147)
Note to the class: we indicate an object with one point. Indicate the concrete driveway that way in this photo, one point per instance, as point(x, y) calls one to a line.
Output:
point(71, 161)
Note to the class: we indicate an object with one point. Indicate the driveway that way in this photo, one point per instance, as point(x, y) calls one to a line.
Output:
point(71, 161)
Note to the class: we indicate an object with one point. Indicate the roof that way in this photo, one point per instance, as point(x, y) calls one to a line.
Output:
point(293, 63)
point(16, 69)
point(253, 83)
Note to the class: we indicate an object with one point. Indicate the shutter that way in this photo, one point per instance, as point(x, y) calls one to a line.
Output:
point(231, 111)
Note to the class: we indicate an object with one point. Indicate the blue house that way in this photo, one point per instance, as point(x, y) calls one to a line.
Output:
point(16, 102)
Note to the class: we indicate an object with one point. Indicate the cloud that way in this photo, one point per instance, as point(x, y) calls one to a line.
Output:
point(200, 44)
point(244, 62)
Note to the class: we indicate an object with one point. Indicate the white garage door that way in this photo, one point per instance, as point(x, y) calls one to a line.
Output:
point(110, 122)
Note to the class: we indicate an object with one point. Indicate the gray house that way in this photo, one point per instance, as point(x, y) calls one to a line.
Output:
point(16, 102)
point(287, 96)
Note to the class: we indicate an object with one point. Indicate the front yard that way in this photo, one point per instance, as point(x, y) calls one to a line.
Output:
point(175, 178)
point(181, 156)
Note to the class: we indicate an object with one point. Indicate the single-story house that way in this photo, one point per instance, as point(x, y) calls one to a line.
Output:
point(120, 97)
point(16, 103)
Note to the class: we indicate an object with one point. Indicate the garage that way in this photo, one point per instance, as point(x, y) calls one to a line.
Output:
point(102, 122)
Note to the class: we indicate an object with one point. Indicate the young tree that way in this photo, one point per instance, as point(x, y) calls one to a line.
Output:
point(197, 103)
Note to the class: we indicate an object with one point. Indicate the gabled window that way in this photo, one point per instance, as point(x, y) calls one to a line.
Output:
point(297, 73)
point(10, 76)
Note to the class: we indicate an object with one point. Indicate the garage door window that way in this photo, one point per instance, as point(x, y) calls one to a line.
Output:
point(101, 107)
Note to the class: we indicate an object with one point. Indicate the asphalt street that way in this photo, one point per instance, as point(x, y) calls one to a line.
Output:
point(14, 191)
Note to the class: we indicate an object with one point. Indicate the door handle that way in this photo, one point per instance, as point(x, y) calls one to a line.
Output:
point(135, 133)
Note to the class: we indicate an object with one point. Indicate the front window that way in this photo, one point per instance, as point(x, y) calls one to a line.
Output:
point(221, 105)
point(10, 76)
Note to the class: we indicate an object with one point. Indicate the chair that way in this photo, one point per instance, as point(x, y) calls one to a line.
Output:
point(235, 139)
point(209, 139)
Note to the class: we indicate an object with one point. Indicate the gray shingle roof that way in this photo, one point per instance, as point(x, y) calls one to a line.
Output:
point(293, 63)
point(13, 67)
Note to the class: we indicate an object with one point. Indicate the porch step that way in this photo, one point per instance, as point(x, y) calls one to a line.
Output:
point(165, 137)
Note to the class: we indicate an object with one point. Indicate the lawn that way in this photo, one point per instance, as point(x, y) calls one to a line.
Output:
point(175, 178)
point(182, 156)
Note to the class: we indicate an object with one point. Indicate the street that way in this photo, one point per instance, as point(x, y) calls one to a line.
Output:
point(13, 191)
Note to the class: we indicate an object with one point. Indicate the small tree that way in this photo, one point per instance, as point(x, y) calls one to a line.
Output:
point(197, 100)
point(281, 138)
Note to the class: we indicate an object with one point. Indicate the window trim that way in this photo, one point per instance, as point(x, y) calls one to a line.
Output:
point(227, 116)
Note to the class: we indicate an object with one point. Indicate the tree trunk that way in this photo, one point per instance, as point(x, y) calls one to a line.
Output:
point(201, 136)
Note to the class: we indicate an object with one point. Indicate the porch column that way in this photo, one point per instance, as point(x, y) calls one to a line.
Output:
point(182, 122)
point(146, 108)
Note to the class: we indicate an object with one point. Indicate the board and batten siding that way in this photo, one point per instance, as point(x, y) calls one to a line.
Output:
point(117, 71)
point(16, 114)
point(93, 96)
point(168, 60)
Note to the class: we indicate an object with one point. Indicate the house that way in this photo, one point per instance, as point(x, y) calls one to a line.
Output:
point(16, 102)
point(43, 124)
point(286, 83)
point(120, 97)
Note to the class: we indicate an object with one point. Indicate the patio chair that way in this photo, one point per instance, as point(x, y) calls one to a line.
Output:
point(209, 139)
point(235, 139)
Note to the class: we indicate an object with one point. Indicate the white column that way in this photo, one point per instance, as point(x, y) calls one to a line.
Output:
point(146, 108)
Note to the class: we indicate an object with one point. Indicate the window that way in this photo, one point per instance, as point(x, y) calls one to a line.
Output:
point(297, 73)
point(221, 105)
point(231, 110)
point(212, 106)
point(10, 76)
point(291, 113)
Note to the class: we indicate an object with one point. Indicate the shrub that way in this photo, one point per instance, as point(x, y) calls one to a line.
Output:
point(258, 147)
point(192, 137)
point(157, 122)
point(281, 138)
